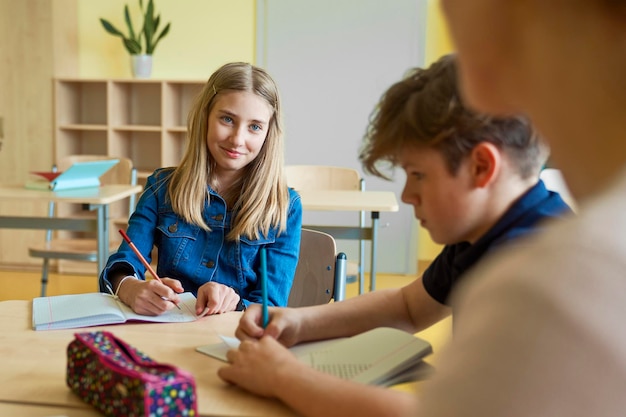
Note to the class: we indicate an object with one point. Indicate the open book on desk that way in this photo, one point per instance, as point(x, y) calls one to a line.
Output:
point(96, 309)
point(382, 356)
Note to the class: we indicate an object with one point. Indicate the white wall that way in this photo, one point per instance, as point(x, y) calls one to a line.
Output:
point(332, 60)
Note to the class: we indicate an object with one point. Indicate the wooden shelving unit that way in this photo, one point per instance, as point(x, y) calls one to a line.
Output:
point(144, 120)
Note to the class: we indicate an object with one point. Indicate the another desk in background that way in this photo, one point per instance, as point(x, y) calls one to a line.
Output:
point(34, 369)
point(335, 200)
point(97, 199)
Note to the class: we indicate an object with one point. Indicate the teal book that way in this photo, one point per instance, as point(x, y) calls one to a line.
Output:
point(80, 175)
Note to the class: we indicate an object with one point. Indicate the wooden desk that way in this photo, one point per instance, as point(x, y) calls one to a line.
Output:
point(335, 200)
point(34, 363)
point(97, 199)
point(23, 410)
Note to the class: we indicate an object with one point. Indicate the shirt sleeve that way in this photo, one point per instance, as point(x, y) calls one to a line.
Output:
point(438, 278)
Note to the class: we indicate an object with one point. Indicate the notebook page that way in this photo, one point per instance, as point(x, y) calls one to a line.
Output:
point(371, 357)
point(381, 356)
point(75, 310)
point(219, 350)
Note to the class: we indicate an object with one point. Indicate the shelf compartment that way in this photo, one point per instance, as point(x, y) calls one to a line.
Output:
point(179, 97)
point(81, 103)
point(174, 144)
point(135, 103)
point(143, 147)
point(81, 141)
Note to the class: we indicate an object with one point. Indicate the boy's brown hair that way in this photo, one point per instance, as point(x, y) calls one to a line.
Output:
point(425, 109)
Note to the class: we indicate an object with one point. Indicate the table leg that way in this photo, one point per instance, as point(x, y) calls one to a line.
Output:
point(375, 217)
point(103, 235)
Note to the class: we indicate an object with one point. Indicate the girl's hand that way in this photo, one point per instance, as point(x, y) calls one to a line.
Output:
point(216, 299)
point(150, 298)
point(284, 324)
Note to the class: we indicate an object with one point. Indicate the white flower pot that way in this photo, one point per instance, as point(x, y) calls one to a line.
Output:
point(142, 65)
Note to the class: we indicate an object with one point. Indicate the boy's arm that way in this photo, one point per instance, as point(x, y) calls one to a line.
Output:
point(266, 368)
point(409, 308)
point(422, 310)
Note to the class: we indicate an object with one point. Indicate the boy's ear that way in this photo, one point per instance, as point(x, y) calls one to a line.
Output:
point(486, 161)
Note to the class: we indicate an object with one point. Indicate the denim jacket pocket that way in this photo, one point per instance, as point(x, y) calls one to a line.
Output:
point(249, 248)
point(177, 239)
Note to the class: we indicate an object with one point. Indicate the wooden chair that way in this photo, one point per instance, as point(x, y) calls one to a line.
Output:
point(321, 271)
point(82, 247)
point(323, 177)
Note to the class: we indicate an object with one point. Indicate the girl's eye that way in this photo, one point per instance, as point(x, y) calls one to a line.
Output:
point(256, 128)
point(227, 119)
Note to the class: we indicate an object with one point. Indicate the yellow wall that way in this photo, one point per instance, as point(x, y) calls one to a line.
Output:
point(438, 43)
point(204, 35)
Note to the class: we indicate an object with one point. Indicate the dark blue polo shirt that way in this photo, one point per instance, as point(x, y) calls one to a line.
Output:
point(536, 205)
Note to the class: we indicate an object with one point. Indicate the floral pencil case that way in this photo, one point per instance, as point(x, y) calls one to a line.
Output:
point(119, 380)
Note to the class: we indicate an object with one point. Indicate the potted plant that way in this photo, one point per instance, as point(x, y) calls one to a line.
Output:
point(140, 44)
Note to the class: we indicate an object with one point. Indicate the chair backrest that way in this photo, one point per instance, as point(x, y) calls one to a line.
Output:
point(320, 271)
point(327, 177)
point(322, 177)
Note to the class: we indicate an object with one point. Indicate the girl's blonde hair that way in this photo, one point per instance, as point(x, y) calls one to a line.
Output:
point(260, 197)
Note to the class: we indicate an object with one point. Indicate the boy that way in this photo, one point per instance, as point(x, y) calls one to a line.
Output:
point(473, 182)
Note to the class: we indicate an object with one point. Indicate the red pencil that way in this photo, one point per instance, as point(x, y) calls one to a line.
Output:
point(143, 260)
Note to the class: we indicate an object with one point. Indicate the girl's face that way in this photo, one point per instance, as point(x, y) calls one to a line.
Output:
point(443, 203)
point(238, 125)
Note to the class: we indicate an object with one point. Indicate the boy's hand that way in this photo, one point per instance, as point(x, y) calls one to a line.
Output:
point(259, 366)
point(283, 325)
point(214, 298)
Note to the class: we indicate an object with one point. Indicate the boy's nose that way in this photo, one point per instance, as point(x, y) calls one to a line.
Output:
point(412, 198)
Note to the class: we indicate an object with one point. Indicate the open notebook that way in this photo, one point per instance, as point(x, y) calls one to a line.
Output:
point(382, 356)
point(96, 309)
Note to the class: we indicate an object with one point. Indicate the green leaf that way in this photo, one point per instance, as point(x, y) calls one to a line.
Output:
point(150, 11)
point(166, 29)
point(129, 23)
point(132, 46)
point(149, 25)
point(155, 29)
point(110, 28)
point(148, 30)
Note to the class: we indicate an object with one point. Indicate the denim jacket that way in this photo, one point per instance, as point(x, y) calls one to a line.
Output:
point(195, 257)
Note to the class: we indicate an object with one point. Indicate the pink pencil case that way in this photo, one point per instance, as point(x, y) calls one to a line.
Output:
point(119, 380)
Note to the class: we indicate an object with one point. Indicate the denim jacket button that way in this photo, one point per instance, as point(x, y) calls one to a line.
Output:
point(172, 228)
point(219, 217)
point(210, 264)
